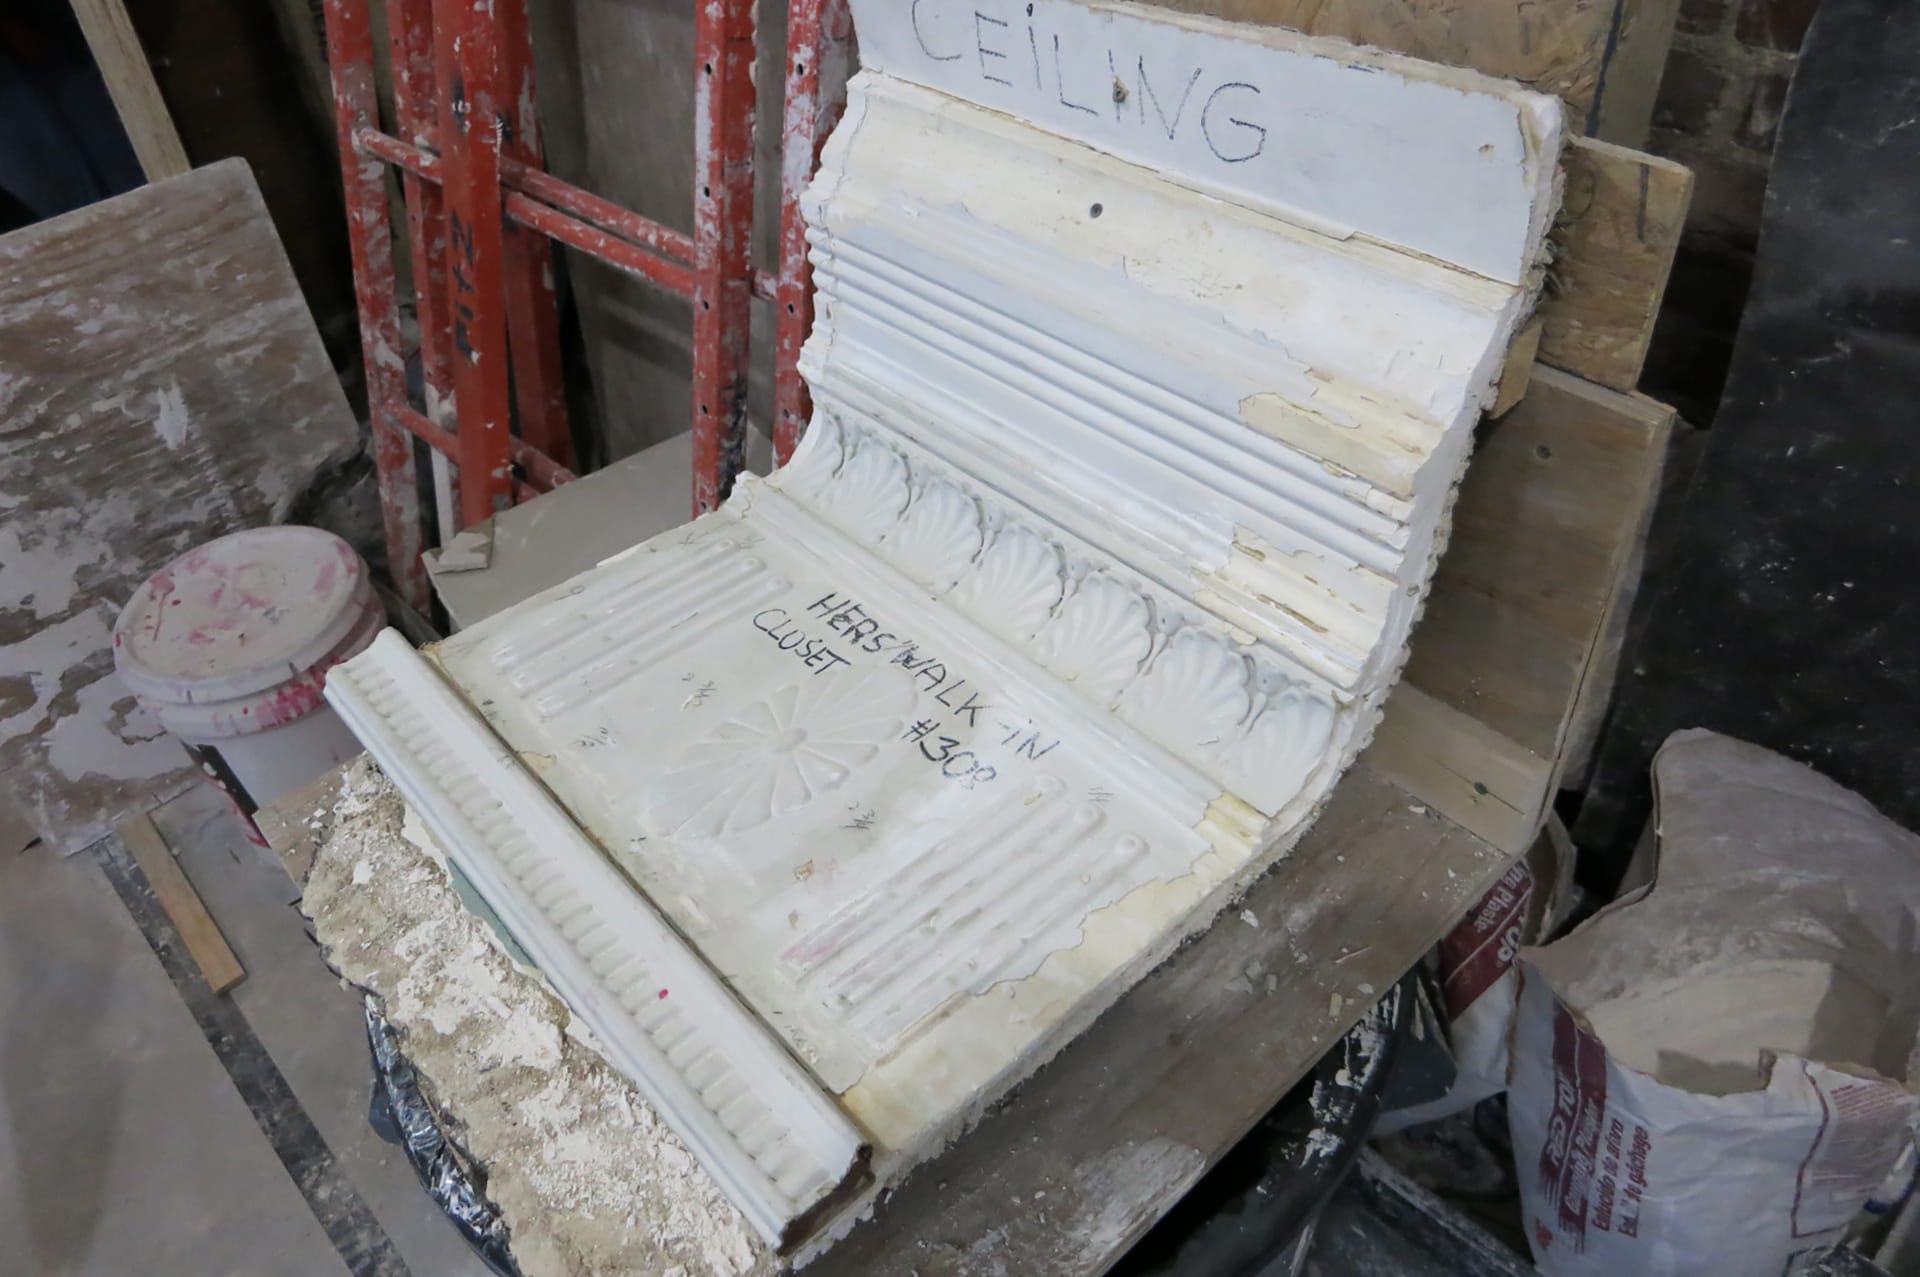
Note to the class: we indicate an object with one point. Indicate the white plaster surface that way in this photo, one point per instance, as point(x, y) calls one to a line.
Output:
point(1332, 137)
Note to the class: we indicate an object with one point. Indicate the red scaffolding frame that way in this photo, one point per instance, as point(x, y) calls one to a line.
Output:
point(482, 213)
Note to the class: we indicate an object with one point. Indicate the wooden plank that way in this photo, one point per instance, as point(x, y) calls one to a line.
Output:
point(1469, 773)
point(1517, 373)
point(1603, 667)
point(162, 384)
point(1548, 519)
point(1622, 110)
point(1620, 222)
point(1091, 1151)
point(1561, 49)
point(123, 65)
point(202, 936)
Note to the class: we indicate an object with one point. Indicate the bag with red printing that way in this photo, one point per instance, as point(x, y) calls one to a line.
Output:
point(1711, 1074)
point(1478, 980)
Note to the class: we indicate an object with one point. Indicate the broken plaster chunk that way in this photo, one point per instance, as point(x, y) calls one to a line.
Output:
point(469, 551)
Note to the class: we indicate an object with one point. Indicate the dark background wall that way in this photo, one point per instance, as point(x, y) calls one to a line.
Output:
point(1717, 111)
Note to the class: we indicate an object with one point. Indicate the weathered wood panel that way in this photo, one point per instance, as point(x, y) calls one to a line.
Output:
point(161, 384)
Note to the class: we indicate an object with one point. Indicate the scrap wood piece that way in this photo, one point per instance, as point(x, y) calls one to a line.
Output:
point(1547, 524)
point(1621, 216)
point(162, 384)
point(1517, 374)
point(130, 83)
point(202, 935)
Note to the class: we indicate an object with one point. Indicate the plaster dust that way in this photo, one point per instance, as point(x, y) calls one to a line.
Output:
point(586, 1175)
point(1707, 1028)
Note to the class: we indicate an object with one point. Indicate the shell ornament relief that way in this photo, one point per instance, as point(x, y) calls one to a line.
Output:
point(1205, 698)
point(779, 754)
point(938, 539)
point(1099, 638)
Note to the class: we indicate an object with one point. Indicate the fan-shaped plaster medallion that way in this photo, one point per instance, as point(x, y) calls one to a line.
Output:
point(1014, 586)
point(1286, 744)
point(779, 754)
point(936, 541)
point(1194, 697)
point(817, 459)
point(1098, 638)
point(870, 491)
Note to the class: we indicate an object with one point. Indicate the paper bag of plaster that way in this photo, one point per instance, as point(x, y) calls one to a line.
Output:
point(1711, 1074)
point(1479, 985)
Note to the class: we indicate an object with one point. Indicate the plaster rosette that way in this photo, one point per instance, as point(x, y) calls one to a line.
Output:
point(1148, 356)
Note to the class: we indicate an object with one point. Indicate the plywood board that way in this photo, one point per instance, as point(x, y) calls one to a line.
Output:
point(161, 384)
point(1563, 49)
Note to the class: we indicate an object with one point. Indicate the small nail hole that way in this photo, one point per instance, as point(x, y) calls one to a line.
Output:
point(1096, 210)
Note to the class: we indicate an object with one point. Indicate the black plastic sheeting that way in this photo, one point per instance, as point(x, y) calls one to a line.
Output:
point(401, 1113)
point(1782, 606)
point(1260, 1203)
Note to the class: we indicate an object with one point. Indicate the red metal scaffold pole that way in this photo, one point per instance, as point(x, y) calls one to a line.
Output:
point(481, 212)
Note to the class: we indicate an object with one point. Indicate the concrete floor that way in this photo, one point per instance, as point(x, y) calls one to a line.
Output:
point(125, 1145)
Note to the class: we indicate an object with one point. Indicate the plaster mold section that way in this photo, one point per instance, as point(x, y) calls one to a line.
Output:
point(1148, 355)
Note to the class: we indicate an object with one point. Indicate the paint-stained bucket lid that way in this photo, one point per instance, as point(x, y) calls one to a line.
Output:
point(242, 615)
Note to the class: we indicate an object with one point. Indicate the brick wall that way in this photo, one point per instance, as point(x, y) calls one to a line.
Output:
point(1720, 101)
point(1717, 110)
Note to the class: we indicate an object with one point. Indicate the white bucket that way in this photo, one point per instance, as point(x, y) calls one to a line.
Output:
point(229, 645)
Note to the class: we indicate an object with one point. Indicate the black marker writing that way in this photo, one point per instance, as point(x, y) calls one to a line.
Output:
point(810, 651)
point(1146, 92)
point(1060, 79)
point(921, 36)
point(980, 24)
point(1206, 125)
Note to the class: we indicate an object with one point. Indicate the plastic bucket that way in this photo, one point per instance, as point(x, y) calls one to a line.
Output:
point(229, 645)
